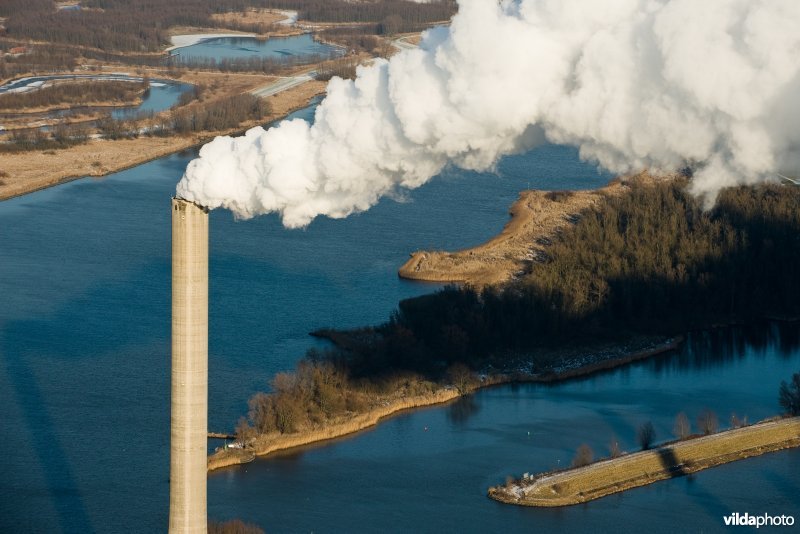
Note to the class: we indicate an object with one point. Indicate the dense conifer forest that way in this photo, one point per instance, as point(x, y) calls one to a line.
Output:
point(649, 262)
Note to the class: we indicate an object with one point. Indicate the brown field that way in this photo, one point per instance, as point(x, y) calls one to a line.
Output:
point(251, 16)
point(37, 120)
point(30, 171)
point(603, 478)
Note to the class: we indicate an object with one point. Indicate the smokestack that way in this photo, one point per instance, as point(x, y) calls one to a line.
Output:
point(635, 84)
point(189, 420)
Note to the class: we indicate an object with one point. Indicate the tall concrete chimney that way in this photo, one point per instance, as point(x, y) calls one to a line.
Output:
point(189, 425)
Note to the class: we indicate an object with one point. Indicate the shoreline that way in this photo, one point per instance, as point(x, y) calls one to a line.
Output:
point(536, 216)
point(154, 147)
point(266, 445)
point(679, 458)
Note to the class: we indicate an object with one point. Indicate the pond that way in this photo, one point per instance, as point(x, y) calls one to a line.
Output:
point(296, 47)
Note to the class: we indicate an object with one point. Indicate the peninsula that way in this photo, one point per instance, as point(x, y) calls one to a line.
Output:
point(535, 218)
point(586, 483)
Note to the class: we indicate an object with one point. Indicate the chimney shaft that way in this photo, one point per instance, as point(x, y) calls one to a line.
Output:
point(189, 418)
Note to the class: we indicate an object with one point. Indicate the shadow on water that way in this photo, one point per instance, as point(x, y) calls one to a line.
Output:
point(106, 328)
point(464, 409)
point(70, 337)
point(52, 457)
point(784, 484)
point(713, 348)
point(710, 349)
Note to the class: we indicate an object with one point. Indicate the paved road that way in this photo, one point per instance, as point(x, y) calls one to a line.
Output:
point(282, 84)
point(287, 82)
point(401, 43)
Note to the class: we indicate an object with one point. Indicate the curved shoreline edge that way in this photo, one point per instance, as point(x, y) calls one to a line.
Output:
point(267, 445)
point(535, 217)
point(606, 477)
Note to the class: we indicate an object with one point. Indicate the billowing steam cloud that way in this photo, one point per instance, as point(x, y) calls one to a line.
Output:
point(657, 84)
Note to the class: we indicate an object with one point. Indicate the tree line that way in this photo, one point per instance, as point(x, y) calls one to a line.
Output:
point(344, 67)
point(707, 423)
point(412, 16)
point(113, 25)
point(37, 59)
point(266, 65)
point(651, 261)
point(222, 114)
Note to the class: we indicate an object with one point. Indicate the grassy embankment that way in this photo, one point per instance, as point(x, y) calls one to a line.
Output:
point(582, 484)
point(396, 402)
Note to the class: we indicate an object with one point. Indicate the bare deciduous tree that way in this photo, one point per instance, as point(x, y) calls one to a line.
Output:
point(682, 427)
point(583, 456)
point(614, 448)
point(461, 377)
point(646, 435)
point(789, 395)
point(738, 422)
point(707, 422)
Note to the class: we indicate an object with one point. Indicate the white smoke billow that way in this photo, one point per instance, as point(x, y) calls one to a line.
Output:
point(634, 84)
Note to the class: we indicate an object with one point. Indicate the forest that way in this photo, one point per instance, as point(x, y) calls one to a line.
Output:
point(649, 262)
point(266, 65)
point(411, 16)
point(141, 25)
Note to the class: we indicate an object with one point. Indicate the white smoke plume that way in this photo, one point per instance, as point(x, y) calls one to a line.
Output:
point(635, 84)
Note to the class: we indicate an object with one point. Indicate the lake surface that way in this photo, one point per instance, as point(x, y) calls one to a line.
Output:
point(428, 471)
point(84, 370)
point(278, 48)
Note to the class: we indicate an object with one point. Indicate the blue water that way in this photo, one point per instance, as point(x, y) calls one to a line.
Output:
point(249, 47)
point(428, 471)
point(84, 370)
point(163, 94)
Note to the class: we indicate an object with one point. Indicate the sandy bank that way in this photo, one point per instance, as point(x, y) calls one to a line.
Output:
point(680, 458)
point(535, 219)
point(277, 442)
point(583, 366)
